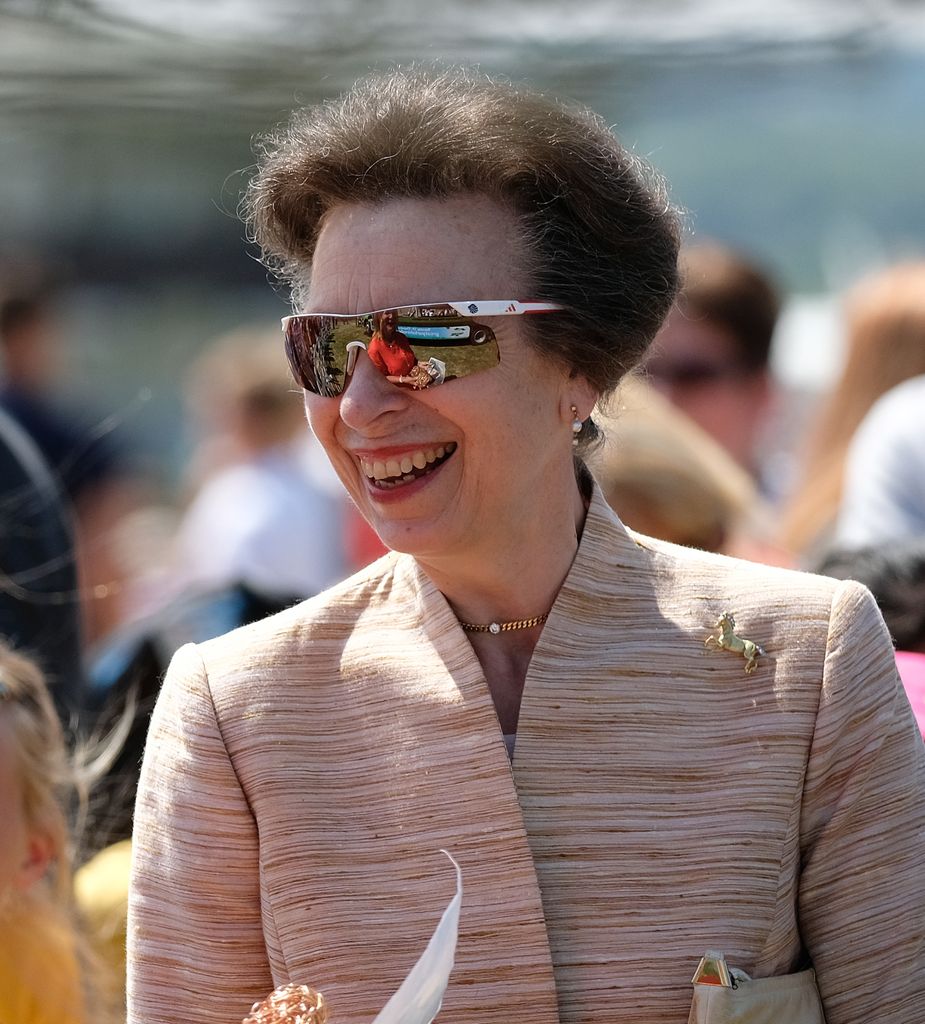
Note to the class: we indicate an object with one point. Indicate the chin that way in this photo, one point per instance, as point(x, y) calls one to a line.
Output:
point(409, 539)
point(421, 539)
point(421, 520)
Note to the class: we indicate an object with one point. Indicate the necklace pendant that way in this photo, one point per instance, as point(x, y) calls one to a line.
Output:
point(502, 627)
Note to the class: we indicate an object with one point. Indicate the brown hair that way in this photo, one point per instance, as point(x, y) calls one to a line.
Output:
point(599, 234)
point(886, 345)
point(722, 286)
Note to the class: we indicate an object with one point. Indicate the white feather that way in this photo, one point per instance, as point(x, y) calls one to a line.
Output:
point(419, 996)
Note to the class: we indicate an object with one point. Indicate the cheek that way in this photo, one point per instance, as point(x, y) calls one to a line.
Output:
point(502, 429)
point(324, 420)
point(323, 416)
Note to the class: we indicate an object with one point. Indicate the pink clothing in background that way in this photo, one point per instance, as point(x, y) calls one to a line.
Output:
point(912, 672)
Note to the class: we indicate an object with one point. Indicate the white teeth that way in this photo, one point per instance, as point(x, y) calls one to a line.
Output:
point(391, 472)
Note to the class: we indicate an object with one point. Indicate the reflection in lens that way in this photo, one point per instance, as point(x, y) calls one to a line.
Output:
point(439, 346)
point(326, 374)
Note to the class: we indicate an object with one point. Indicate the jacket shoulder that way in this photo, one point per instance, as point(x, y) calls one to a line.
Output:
point(680, 569)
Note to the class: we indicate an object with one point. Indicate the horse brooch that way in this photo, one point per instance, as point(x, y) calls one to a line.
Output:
point(725, 639)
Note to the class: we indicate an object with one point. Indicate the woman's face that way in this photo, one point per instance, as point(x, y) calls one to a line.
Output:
point(495, 443)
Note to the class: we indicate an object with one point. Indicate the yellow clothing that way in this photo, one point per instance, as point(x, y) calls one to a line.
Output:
point(101, 889)
point(39, 974)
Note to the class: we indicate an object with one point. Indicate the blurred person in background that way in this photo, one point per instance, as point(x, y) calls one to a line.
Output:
point(48, 974)
point(39, 606)
point(91, 467)
point(711, 357)
point(885, 345)
point(667, 478)
point(883, 498)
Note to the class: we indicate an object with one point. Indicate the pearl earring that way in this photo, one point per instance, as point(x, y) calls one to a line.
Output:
point(576, 426)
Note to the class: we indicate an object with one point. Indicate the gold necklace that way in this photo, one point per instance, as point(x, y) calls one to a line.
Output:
point(504, 627)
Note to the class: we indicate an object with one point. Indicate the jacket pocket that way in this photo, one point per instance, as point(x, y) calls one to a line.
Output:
point(788, 999)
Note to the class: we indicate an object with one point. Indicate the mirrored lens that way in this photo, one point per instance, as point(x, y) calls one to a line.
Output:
point(416, 347)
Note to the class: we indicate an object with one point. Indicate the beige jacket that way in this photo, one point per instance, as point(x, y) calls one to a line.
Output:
point(303, 773)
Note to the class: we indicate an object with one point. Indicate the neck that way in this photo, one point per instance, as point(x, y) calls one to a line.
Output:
point(517, 572)
point(515, 576)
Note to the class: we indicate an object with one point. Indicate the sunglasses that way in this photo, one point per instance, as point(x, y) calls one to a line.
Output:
point(415, 347)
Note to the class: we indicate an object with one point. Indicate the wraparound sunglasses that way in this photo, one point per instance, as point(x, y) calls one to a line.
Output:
point(412, 346)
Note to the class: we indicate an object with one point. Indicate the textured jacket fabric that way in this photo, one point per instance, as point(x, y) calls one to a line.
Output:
point(302, 774)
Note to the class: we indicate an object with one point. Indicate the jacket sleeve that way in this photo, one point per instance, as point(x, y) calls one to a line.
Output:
point(862, 888)
point(196, 951)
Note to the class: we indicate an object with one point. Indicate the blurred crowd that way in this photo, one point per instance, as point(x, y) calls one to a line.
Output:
point(103, 577)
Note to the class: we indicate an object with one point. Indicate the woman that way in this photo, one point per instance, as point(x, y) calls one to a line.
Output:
point(388, 348)
point(302, 773)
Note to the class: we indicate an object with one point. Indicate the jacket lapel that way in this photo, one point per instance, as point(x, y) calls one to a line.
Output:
point(502, 930)
point(416, 764)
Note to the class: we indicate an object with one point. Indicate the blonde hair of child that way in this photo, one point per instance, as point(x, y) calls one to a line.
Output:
point(40, 753)
point(50, 779)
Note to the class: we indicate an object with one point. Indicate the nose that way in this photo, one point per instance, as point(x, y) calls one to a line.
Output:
point(369, 396)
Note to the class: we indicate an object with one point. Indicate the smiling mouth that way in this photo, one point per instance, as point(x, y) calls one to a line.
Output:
point(389, 473)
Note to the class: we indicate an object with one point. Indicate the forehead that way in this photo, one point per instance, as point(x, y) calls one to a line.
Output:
point(406, 251)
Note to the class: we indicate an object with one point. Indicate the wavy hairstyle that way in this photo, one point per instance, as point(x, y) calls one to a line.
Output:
point(598, 233)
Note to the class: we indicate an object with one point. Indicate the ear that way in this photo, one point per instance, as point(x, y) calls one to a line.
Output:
point(581, 393)
point(38, 855)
